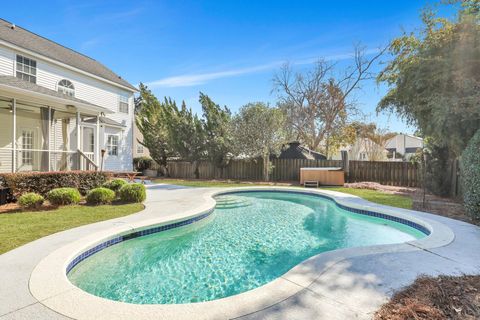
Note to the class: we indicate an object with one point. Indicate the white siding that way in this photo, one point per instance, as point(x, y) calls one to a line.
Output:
point(6, 61)
point(88, 89)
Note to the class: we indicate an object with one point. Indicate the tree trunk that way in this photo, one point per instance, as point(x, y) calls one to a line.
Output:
point(266, 162)
point(196, 172)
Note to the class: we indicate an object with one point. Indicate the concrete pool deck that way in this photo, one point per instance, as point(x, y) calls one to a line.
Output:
point(348, 283)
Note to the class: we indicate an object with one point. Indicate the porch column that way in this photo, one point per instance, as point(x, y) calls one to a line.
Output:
point(14, 140)
point(48, 136)
point(97, 142)
point(77, 129)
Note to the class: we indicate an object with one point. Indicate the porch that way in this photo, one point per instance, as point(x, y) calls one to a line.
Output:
point(45, 130)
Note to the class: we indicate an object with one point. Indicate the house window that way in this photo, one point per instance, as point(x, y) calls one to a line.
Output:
point(123, 104)
point(26, 69)
point(27, 144)
point(112, 145)
point(139, 149)
point(66, 87)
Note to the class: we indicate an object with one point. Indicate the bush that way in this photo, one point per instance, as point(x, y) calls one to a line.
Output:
point(143, 163)
point(100, 196)
point(30, 200)
point(134, 192)
point(470, 168)
point(43, 182)
point(64, 196)
point(115, 184)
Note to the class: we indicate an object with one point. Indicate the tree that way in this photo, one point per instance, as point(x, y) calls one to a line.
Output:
point(217, 126)
point(318, 102)
point(471, 176)
point(259, 132)
point(434, 77)
point(150, 120)
point(186, 135)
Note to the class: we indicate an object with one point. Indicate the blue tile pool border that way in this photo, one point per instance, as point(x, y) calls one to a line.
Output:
point(99, 247)
point(84, 255)
point(371, 213)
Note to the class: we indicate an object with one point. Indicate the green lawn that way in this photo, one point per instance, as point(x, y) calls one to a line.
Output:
point(19, 228)
point(370, 195)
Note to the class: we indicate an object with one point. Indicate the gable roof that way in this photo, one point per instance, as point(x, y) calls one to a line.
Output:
point(30, 41)
point(296, 151)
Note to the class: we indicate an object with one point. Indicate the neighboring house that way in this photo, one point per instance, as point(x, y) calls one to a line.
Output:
point(294, 150)
point(138, 149)
point(403, 146)
point(363, 150)
point(59, 108)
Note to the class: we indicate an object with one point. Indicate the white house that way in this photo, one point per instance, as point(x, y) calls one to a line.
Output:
point(403, 146)
point(60, 108)
point(362, 149)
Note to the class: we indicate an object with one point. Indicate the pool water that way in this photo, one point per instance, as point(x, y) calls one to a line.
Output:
point(249, 240)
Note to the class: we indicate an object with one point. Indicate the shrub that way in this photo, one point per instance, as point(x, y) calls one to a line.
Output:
point(43, 182)
point(63, 196)
point(100, 196)
point(134, 192)
point(470, 165)
point(115, 184)
point(143, 163)
point(30, 200)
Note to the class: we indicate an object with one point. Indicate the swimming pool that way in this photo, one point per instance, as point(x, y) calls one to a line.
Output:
point(249, 240)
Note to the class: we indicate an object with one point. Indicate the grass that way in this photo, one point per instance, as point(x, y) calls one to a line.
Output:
point(19, 228)
point(393, 200)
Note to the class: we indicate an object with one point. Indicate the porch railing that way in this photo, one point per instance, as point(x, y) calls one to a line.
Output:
point(86, 160)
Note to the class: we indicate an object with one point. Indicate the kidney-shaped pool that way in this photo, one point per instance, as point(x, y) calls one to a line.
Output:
point(250, 239)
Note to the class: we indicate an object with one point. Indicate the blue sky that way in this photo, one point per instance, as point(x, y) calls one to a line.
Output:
point(229, 50)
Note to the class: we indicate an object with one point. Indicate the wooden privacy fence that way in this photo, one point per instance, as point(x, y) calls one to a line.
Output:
point(385, 172)
point(283, 169)
point(405, 174)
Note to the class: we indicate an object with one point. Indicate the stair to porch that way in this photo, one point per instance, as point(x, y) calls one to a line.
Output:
point(86, 161)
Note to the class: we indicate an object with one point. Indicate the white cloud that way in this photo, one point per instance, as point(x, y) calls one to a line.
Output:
point(189, 80)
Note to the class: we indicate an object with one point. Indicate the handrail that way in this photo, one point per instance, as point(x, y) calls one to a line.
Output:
point(89, 162)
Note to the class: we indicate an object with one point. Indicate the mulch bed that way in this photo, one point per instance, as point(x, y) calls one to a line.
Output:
point(439, 298)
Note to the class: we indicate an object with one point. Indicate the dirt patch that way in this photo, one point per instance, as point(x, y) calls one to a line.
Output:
point(439, 298)
point(381, 187)
point(447, 207)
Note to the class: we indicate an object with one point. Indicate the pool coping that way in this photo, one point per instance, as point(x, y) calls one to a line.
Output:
point(49, 283)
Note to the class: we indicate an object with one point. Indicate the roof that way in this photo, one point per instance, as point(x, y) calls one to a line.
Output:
point(296, 151)
point(17, 83)
point(106, 121)
point(28, 40)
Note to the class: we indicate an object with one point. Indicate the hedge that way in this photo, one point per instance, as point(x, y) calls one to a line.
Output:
point(133, 193)
point(143, 163)
point(64, 196)
point(43, 182)
point(470, 165)
point(114, 184)
point(99, 196)
point(31, 200)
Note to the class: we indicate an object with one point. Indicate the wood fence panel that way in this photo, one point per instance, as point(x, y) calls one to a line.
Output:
point(384, 172)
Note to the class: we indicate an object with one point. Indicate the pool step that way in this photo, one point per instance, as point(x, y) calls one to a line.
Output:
point(231, 202)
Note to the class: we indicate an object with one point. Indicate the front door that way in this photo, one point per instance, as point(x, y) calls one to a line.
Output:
point(27, 143)
point(88, 141)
